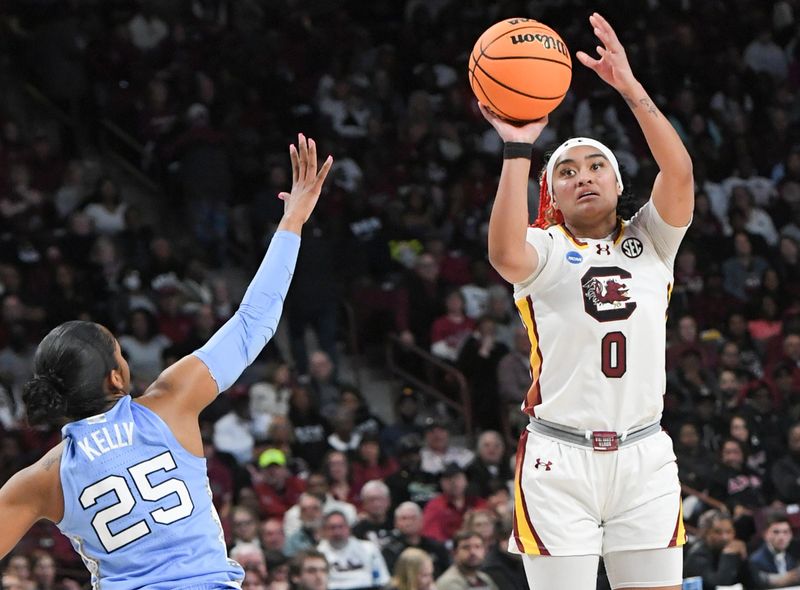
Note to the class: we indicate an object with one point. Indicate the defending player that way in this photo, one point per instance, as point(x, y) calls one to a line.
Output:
point(128, 483)
point(595, 474)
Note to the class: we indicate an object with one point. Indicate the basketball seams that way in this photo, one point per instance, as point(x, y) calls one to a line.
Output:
point(499, 83)
point(555, 61)
point(474, 80)
point(489, 100)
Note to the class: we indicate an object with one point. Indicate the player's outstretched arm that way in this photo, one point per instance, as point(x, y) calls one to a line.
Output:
point(673, 191)
point(509, 252)
point(192, 383)
point(30, 495)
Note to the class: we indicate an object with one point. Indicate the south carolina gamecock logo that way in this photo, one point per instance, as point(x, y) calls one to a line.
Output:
point(606, 295)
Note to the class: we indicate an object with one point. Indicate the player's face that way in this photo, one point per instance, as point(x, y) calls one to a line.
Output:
point(124, 369)
point(584, 185)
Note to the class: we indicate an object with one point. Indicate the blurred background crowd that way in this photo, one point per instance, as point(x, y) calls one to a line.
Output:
point(142, 147)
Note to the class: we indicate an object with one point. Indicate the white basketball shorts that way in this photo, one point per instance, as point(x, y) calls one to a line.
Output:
point(572, 500)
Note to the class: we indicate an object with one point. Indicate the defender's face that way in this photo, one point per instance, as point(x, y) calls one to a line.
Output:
point(124, 369)
point(584, 185)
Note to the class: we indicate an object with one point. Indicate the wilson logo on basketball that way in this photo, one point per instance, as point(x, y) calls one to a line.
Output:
point(547, 41)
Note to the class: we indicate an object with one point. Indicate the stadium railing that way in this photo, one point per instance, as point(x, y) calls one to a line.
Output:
point(421, 369)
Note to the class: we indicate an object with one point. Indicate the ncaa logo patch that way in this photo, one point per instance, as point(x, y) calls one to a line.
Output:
point(574, 257)
point(632, 247)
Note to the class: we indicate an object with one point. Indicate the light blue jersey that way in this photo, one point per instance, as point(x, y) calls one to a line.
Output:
point(137, 505)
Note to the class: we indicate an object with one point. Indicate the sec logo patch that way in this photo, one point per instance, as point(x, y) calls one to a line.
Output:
point(632, 248)
point(574, 257)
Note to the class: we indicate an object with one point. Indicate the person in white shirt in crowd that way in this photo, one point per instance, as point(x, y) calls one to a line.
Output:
point(354, 564)
point(146, 28)
point(107, 210)
point(233, 432)
point(271, 396)
point(476, 292)
point(438, 452)
point(762, 54)
point(143, 345)
point(317, 485)
point(757, 221)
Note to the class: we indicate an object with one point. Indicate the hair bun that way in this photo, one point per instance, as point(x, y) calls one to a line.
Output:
point(45, 397)
point(54, 381)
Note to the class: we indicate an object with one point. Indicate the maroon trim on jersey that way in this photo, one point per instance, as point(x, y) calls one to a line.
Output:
point(675, 541)
point(571, 236)
point(534, 397)
point(521, 448)
point(618, 231)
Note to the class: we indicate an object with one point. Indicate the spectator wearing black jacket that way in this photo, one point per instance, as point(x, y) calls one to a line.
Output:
point(410, 482)
point(489, 465)
point(786, 470)
point(504, 568)
point(718, 557)
point(408, 533)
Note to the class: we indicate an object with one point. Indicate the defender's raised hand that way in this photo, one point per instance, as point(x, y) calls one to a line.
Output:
point(306, 183)
point(613, 66)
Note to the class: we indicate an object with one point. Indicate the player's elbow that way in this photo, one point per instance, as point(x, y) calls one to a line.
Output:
point(681, 172)
point(513, 268)
point(501, 256)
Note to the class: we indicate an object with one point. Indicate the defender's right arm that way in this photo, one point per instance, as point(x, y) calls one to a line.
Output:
point(30, 495)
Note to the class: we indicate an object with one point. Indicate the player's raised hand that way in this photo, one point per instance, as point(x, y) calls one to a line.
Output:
point(527, 133)
point(306, 183)
point(613, 66)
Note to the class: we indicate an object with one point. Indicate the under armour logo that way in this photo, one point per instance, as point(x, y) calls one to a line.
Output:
point(541, 463)
point(603, 249)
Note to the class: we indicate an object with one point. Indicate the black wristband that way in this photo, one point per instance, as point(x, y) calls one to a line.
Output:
point(517, 149)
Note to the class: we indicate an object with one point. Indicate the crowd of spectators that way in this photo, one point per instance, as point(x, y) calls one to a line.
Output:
point(213, 91)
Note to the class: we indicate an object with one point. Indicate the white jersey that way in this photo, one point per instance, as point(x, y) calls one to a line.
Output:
point(359, 564)
point(595, 311)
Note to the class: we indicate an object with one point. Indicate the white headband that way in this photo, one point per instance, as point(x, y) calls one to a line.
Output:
point(576, 141)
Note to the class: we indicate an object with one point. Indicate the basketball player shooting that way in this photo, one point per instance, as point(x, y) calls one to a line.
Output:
point(595, 473)
point(128, 484)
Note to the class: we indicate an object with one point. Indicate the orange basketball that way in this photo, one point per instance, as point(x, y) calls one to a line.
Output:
point(520, 69)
